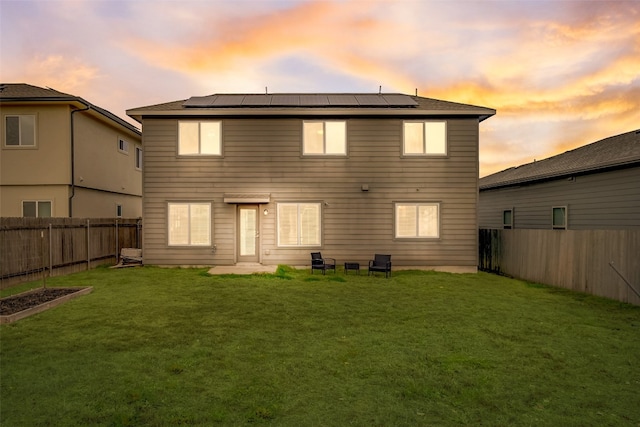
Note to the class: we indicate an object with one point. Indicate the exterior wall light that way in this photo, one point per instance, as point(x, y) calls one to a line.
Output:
point(265, 212)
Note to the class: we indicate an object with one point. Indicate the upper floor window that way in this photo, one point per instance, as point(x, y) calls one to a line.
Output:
point(123, 145)
point(417, 220)
point(507, 218)
point(36, 208)
point(199, 138)
point(189, 224)
point(20, 131)
point(559, 217)
point(324, 137)
point(138, 158)
point(299, 224)
point(424, 138)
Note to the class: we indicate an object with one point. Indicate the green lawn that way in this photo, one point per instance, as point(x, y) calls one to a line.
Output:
point(164, 347)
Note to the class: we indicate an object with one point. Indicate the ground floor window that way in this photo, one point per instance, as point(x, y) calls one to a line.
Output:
point(417, 220)
point(299, 224)
point(189, 224)
point(36, 208)
point(559, 217)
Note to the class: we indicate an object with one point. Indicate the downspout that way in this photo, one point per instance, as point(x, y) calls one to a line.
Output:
point(73, 166)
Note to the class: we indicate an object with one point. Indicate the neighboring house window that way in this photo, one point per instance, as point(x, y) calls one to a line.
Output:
point(559, 217)
point(123, 145)
point(299, 224)
point(138, 158)
point(507, 218)
point(199, 138)
point(417, 220)
point(36, 209)
point(20, 131)
point(119, 211)
point(189, 224)
point(425, 138)
point(324, 137)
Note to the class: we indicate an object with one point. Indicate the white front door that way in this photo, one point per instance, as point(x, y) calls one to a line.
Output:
point(248, 234)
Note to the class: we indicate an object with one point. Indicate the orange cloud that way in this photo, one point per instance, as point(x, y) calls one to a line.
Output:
point(66, 74)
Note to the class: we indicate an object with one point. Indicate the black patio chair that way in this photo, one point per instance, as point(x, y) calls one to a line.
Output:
point(381, 263)
point(324, 264)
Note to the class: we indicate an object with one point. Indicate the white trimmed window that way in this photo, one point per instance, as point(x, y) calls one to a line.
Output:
point(507, 218)
point(20, 131)
point(189, 224)
point(119, 211)
point(200, 138)
point(559, 217)
point(123, 146)
point(36, 208)
point(426, 138)
point(138, 158)
point(417, 220)
point(324, 138)
point(299, 224)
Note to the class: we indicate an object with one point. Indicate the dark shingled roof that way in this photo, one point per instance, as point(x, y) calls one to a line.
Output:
point(22, 92)
point(336, 103)
point(614, 151)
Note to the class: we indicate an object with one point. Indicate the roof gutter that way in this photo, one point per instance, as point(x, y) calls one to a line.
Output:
point(73, 166)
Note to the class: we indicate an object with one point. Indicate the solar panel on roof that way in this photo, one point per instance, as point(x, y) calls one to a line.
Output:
point(228, 100)
point(371, 100)
point(314, 100)
point(199, 101)
point(256, 100)
point(343, 100)
point(399, 100)
point(285, 100)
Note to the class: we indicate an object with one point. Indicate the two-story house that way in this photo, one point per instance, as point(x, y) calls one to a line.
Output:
point(62, 156)
point(269, 178)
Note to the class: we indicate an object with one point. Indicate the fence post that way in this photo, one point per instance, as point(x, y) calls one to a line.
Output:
point(117, 242)
point(88, 248)
point(43, 262)
point(50, 249)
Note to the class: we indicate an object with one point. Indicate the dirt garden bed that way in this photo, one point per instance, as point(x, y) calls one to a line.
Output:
point(22, 305)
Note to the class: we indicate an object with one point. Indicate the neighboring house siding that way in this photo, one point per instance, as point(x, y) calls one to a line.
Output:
point(49, 161)
point(264, 156)
point(604, 200)
point(104, 177)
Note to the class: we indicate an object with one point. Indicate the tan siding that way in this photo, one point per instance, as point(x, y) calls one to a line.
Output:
point(264, 156)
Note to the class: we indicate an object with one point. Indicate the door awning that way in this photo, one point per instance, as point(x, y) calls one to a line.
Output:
point(247, 198)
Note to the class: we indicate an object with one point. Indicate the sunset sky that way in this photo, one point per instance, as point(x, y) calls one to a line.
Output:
point(560, 73)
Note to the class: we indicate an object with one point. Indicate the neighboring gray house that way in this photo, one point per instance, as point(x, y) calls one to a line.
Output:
point(596, 186)
point(270, 178)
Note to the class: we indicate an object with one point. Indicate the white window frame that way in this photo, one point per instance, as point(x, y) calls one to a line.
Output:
point(324, 123)
point(118, 210)
point(418, 234)
point(508, 225)
point(425, 139)
point(189, 225)
point(299, 235)
point(138, 158)
point(21, 129)
point(565, 210)
point(218, 149)
point(38, 202)
point(123, 146)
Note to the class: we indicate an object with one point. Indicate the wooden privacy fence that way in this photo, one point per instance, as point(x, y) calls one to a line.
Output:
point(31, 247)
point(574, 259)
